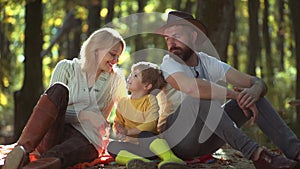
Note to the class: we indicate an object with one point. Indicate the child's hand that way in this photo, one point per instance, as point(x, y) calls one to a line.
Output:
point(121, 137)
point(120, 129)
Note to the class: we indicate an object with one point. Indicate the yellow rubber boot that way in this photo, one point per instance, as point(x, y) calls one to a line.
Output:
point(169, 160)
point(133, 161)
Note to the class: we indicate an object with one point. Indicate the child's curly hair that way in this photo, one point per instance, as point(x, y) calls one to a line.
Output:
point(150, 74)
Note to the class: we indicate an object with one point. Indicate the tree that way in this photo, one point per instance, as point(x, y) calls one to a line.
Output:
point(139, 42)
point(280, 33)
point(267, 46)
point(218, 16)
point(94, 20)
point(254, 46)
point(27, 97)
point(235, 45)
point(111, 12)
point(295, 12)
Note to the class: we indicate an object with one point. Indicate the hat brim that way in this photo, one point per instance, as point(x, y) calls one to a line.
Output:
point(190, 22)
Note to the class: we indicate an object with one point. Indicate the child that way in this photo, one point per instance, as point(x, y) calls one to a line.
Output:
point(136, 122)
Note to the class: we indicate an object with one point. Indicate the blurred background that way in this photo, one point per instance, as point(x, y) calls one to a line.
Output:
point(259, 37)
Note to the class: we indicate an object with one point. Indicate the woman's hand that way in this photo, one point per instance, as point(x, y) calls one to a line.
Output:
point(97, 120)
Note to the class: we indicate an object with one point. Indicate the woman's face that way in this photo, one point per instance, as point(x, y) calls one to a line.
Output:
point(107, 58)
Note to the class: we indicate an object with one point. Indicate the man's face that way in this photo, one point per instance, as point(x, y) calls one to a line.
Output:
point(179, 41)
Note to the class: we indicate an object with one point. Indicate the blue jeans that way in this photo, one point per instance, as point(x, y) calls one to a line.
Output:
point(200, 127)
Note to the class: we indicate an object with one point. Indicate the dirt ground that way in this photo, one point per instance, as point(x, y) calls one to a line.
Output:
point(226, 158)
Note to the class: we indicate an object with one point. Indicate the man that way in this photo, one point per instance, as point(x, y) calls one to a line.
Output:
point(201, 124)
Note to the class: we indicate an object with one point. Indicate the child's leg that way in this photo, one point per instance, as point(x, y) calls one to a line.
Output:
point(161, 148)
point(123, 154)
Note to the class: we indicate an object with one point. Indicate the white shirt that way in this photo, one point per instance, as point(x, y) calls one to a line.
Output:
point(208, 67)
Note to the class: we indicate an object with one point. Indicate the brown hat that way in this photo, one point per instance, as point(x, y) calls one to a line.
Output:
point(181, 18)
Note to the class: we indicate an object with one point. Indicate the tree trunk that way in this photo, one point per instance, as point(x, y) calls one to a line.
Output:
point(5, 58)
point(254, 46)
point(74, 42)
point(235, 37)
point(295, 13)
point(27, 97)
point(188, 6)
point(267, 44)
point(111, 11)
point(177, 5)
point(94, 20)
point(218, 16)
point(139, 42)
point(280, 34)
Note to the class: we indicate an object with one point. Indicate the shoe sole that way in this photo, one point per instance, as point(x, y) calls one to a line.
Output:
point(139, 164)
point(15, 158)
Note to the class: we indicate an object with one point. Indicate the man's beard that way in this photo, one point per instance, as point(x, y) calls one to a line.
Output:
point(183, 53)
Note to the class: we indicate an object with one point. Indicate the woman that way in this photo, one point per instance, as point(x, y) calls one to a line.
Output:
point(69, 121)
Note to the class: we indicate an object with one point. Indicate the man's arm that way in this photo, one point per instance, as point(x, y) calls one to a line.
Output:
point(250, 89)
point(242, 80)
point(199, 88)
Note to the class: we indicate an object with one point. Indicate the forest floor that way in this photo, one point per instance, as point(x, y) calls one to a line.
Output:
point(226, 158)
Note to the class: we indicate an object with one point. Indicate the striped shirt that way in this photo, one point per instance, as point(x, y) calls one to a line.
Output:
point(98, 99)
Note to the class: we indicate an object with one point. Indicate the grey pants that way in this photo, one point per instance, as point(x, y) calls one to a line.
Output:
point(141, 148)
point(200, 127)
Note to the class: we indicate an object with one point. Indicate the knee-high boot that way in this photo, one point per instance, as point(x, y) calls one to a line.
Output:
point(169, 160)
point(43, 116)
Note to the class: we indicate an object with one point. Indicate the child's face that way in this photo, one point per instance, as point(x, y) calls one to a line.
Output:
point(134, 81)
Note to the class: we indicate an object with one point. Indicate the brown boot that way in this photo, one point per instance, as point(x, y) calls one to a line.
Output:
point(16, 158)
point(272, 160)
point(41, 119)
point(44, 163)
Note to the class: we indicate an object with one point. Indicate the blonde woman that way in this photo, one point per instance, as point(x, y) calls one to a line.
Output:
point(68, 123)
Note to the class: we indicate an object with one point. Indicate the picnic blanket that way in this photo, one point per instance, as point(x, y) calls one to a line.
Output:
point(103, 159)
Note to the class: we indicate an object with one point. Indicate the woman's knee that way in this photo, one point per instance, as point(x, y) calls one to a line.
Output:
point(58, 93)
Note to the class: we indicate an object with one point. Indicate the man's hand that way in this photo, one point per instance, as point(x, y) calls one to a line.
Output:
point(247, 96)
point(246, 100)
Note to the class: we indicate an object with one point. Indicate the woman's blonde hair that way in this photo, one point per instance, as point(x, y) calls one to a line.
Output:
point(104, 38)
